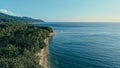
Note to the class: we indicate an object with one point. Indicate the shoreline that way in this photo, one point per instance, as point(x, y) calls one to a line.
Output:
point(44, 52)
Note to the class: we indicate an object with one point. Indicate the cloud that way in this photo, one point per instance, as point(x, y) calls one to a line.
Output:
point(7, 12)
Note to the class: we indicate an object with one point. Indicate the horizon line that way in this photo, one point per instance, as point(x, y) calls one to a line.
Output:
point(88, 21)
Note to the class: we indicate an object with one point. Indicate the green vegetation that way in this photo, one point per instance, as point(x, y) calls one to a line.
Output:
point(19, 43)
point(9, 18)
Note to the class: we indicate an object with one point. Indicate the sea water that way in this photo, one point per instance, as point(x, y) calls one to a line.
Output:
point(84, 45)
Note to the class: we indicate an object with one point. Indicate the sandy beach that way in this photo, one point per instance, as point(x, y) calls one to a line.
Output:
point(44, 52)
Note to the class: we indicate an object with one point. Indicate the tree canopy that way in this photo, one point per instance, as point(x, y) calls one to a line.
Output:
point(18, 44)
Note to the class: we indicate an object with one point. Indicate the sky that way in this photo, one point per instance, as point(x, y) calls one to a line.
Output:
point(64, 10)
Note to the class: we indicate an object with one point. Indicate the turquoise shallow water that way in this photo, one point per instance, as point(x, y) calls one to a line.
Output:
point(84, 45)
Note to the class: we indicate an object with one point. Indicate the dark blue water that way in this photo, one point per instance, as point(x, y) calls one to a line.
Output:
point(85, 45)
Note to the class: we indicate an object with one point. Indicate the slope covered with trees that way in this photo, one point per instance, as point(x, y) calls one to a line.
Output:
point(19, 43)
point(9, 18)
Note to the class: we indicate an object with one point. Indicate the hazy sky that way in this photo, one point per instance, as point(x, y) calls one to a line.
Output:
point(64, 10)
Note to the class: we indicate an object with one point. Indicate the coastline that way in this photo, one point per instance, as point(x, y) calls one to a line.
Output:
point(44, 52)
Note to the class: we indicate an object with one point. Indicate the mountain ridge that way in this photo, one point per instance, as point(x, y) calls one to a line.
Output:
point(10, 18)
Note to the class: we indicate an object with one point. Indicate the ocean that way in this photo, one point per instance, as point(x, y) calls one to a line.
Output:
point(84, 45)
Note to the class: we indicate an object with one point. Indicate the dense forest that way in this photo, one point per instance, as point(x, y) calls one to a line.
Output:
point(19, 42)
point(10, 18)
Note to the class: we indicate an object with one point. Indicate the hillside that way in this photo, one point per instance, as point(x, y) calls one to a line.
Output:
point(10, 18)
point(19, 42)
